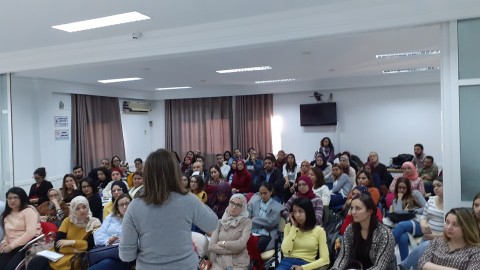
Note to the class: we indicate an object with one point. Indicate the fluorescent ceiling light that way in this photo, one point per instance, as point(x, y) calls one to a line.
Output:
point(405, 54)
point(244, 69)
point(119, 80)
point(404, 70)
point(276, 81)
point(102, 22)
point(174, 88)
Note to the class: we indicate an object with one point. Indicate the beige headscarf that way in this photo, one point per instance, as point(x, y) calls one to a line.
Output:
point(231, 221)
point(90, 223)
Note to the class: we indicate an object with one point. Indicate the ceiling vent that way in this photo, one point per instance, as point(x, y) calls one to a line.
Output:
point(137, 106)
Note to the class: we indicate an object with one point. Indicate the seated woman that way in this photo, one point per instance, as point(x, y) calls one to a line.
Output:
point(304, 167)
point(366, 240)
point(303, 239)
point(91, 193)
point(186, 164)
point(357, 191)
point(431, 223)
point(38, 191)
point(377, 182)
point(70, 188)
point(116, 175)
point(305, 190)
point(265, 214)
point(406, 199)
point(460, 246)
point(137, 187)
point(196, 187)
point(55, 209)
point(341, 186)
point(213, 181)
point(231, 173)
point(118, 188)
point(104, 177)
point(322, 163)
point(409, 172)
point(321, 190)
point(364, 179)
point(75, 234)
point(186, 182)
point(110, 233)
point(242, 179)
point(20, 222)
point(229, 240)
point(220, 199)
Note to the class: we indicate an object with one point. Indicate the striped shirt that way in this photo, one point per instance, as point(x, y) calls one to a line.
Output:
point(433, 215)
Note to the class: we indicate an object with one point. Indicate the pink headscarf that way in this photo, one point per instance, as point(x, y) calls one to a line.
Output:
point(414, 175)
point(309, 194)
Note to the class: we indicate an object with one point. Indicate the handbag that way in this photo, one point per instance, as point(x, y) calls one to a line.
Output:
point(205, 264)
point(42, 244)
point(404, 215)
point(100, 253)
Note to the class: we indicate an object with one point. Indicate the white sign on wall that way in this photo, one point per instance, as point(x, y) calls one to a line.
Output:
point(61, 121)
point(62, 134)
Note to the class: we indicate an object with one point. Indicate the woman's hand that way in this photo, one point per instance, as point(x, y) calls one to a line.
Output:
point(425, 229)
point(292, 220)
point(55, 202)
point(112, 240)
point(400, 195)
point(296, 267)
point(7, 249)
point(292, 189)
point(3, 246)
point(287, 184)
point(65, 243)
point(43, 218)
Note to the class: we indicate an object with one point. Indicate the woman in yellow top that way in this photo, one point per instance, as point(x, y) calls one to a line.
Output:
point(196, 187)
point(303, 240)
point(75, 234)
point(118, 188)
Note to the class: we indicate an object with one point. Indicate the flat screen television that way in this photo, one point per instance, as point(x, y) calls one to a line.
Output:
point(318, 114)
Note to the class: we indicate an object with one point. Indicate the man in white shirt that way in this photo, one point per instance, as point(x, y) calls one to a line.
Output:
point(223, 166)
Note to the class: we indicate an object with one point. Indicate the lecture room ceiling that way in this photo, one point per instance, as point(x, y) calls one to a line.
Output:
point(319, 43)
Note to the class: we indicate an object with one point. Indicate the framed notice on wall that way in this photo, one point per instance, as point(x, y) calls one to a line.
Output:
point(61, 121)
point(62, 134)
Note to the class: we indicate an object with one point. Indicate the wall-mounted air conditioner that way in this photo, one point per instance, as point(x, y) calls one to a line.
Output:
point(137, 106)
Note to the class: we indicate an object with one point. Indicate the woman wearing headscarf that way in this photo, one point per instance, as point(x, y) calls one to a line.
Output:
point(409, 172)
point(304, 167)
point(55, 209)
point(220, 198)
point(75, 234)
point(322, 163)
point(305, 190)
point(242, 179)
point(229, 240)
point(118, 188)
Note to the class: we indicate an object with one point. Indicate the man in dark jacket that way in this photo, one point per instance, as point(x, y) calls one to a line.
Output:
point(273, 176)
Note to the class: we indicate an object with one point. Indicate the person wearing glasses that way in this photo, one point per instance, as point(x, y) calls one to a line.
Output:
point(110, 233)
point(21, 223)
point(304, 186)
point(229, 240)
point(118, 188)
point(91, 193)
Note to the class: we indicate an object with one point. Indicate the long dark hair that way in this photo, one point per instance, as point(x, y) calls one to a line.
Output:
point(320, 177)
point(23, 202)
point(287, 166)
point(200, 183)
point(369, 204)
point(369, 177)
point(408, 198)
point(307, 206)
point(330, 145)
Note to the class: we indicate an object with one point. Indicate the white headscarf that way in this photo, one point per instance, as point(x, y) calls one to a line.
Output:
point(231, 221)
point(90, 223)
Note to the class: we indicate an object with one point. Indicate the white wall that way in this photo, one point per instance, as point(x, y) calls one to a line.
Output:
point(389, 120)
point(35, 102)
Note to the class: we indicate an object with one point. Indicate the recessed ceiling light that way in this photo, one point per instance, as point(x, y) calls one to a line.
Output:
point(276, 81)
point(173, 88)
point(244, 69)
point(102, 22)
point(405, 54)
point(119, 80)
point(404, 70)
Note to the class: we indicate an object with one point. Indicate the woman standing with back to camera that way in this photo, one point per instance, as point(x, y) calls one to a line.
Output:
point(157, 227)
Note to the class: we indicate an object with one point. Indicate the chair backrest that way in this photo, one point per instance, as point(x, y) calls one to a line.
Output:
point(49, 230)
point(281, 224)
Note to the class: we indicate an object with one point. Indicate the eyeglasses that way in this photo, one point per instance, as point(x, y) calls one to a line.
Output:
point(13, 198)
point(125, 204)
point(237, 205)
point(302, 185)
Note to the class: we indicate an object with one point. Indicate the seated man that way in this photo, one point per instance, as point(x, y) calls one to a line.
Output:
point(428, 173)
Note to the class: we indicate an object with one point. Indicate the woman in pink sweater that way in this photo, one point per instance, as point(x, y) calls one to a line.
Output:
point(21, 223)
